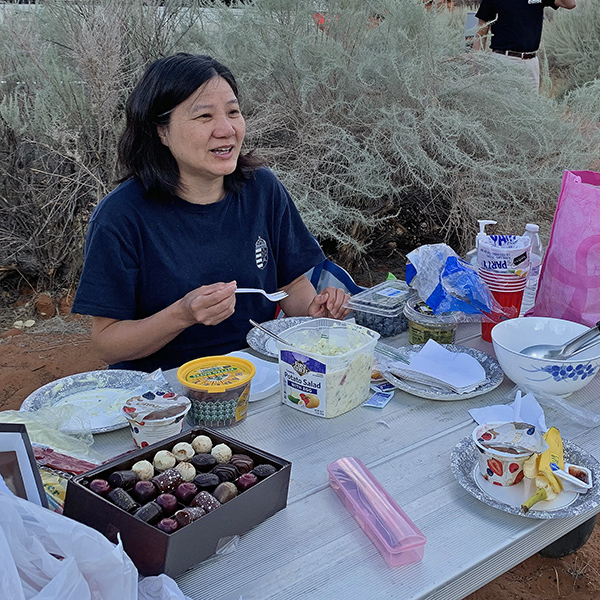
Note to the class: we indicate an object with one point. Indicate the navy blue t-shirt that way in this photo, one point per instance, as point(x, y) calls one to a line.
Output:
point(143, 254)
point(519, 24)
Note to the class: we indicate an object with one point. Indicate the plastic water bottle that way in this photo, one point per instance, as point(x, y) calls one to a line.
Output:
point(536, 254)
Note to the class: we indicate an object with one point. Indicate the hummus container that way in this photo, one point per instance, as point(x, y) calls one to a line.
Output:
point(218, 387)
point(380, 308)
point(154, 416)
point(325, 366)
point(423, 325)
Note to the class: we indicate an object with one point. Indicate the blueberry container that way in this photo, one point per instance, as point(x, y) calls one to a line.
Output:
point(381, 308)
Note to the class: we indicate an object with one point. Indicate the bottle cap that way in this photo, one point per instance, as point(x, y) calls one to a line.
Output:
point(532, 227)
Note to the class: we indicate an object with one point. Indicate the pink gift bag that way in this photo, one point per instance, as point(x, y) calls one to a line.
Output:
point(569, 286)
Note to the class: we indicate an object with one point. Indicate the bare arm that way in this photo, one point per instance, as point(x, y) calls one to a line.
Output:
point(303, 300)
point(568, 4)
point(482, 32)
point(116, 340)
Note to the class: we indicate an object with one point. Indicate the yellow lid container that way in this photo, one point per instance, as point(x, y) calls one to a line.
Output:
point(218, 387)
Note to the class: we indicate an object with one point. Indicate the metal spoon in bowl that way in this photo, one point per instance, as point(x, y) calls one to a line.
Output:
point(582, 342)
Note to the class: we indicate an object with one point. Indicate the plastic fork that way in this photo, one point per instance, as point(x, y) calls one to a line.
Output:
point(274, 297)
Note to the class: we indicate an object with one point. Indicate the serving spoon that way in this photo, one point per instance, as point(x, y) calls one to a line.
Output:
point(270, 333)
point(578, 344)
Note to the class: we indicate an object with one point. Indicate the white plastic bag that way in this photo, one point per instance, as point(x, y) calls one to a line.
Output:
point(46, 556)
point(160, 587)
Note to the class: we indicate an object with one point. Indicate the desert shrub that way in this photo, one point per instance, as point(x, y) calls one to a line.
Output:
point(386, 132)
point(67, 68)
point(366, 121)
point(572, 43)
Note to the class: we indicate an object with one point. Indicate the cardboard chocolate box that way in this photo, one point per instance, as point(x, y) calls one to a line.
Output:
point(154, 551)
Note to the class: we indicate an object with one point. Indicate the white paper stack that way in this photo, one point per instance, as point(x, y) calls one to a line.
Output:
point(437, 367)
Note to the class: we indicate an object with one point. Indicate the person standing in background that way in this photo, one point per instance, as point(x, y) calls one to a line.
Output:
point(516, 27)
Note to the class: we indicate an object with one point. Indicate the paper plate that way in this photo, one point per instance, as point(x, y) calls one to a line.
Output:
point(266, 379)
point(493, 372)
point(263, 343)
point(464, 464)
point(95, 397)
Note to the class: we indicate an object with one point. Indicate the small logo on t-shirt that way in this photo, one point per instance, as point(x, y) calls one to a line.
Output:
point(261, 253)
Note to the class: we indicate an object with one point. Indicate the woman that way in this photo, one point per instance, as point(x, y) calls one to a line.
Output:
point(192, 219)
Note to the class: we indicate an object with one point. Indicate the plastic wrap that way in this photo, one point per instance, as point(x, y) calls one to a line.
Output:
point(451, 286)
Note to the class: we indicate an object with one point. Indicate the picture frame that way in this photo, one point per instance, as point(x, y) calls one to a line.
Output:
point(18, 467)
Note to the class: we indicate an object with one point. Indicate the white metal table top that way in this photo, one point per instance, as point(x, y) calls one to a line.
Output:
point(315, 549)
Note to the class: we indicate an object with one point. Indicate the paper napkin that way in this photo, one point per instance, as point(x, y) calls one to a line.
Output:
point(525, 409)
point(434, 365)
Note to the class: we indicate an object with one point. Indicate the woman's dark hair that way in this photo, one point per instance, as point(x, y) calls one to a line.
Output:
point(165, 84)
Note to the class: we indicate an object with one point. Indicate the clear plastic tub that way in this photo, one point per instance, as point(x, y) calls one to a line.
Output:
point(381, 307)
point(397, 538)
point(325, 366)
point(423, 325)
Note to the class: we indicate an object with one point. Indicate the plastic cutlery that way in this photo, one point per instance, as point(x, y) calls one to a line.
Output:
point(274, 297)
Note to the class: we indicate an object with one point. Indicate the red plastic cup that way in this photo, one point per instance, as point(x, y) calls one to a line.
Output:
point(506, 299)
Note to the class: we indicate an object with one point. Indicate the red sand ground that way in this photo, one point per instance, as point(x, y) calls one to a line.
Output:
point(48, 352)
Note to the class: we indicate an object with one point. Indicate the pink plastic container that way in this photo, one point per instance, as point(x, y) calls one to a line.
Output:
point(385, 523)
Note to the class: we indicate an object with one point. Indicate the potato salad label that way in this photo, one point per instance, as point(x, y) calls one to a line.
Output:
point(320, 389)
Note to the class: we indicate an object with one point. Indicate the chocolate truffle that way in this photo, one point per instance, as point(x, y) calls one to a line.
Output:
point(206, 482)
point(164, 460)
point(183, 451)
point(245, 481)
point(186, 491)
point(123, 500)
point(168, 525)
point(262, 471)
point(225, 492)
point(187, 470)
point(100, 486)
point(123, 479)
point(202, 444)
point(204, 462)
point(145, 491)
point(188, 514)
point(206, 501)
point(226, 472)
point(150, 513)
point(243, 463)
point(222, 452)
point(168, 502)
point(167, 481)
point(144, 469)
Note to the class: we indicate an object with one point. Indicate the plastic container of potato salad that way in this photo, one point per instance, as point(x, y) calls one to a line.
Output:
point(325, 366)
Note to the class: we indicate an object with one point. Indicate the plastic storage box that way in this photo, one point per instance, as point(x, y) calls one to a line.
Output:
point(385, 523)
point(381, 307)
point(325, 367)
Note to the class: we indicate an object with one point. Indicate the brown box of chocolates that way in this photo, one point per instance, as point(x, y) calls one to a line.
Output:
point(172, 502)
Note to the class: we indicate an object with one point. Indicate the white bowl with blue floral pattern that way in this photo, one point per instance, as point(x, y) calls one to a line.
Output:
point(556, 377)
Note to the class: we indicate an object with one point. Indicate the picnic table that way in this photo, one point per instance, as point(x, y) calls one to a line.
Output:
point(315, 549)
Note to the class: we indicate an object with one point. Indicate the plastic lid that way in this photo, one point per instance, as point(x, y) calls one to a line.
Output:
point(159, 406)
point(216, 373)
point(419, 312)
point(386, 299)
point(532, 227)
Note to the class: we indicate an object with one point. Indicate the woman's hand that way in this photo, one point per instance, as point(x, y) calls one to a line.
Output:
point(115, 340)
point(210, 304)
point(329, 303)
